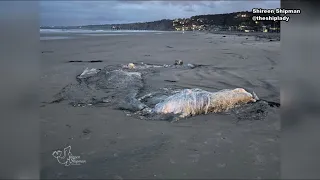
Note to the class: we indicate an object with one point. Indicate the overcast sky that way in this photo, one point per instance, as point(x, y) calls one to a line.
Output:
point(55, 13)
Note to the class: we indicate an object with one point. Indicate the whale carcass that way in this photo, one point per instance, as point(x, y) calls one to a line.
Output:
point(191, 102)
point(125, 90)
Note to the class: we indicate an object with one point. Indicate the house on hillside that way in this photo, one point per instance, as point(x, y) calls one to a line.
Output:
point(242, 15)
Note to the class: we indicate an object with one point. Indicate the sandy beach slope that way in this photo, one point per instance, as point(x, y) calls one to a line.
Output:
point(117, 146)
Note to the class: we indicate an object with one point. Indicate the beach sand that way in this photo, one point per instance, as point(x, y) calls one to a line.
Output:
point(117, 146)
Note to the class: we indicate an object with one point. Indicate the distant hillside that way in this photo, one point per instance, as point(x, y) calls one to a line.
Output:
point(163, 25)
point(231, 19)
point(199, 22)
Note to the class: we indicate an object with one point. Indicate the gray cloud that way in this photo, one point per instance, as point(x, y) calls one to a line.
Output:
point(126, 11)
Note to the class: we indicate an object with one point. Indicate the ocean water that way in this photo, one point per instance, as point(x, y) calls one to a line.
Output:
point(52, 34)
point(86, 31)
point(45, 38)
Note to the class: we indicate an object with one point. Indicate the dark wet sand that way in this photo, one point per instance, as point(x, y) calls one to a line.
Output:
point(270, 36)
point(118, 146)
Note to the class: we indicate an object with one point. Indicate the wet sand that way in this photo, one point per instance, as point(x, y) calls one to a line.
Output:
point(118, 146)
point(258, 35)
